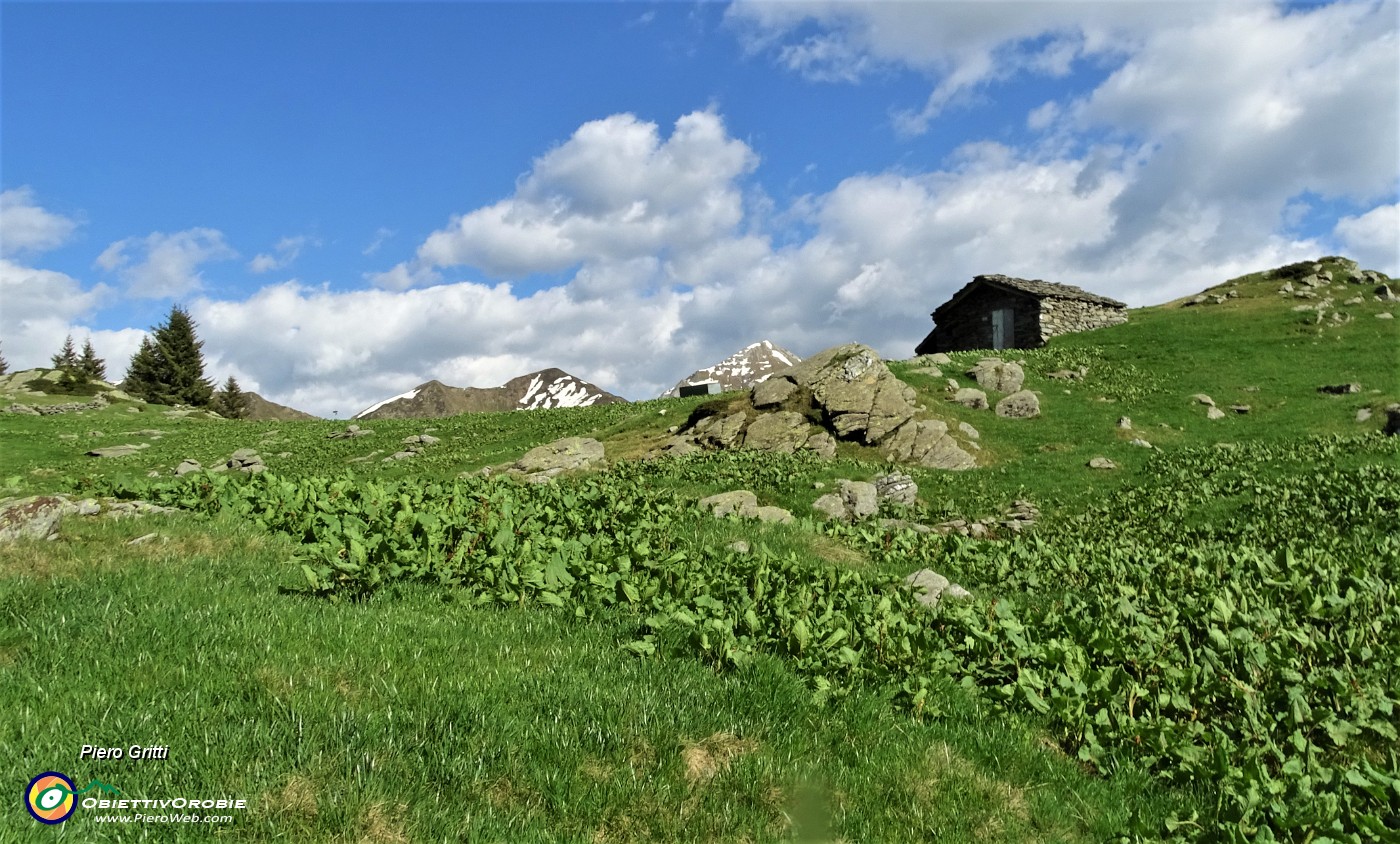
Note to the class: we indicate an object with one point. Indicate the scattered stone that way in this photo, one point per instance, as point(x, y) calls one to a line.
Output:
point(823, 444)
point(904, 524)
point(1240, 408)
point(421, 439)
point(1339, 389)
point(953, 385)
point(740, 502)
point(831, 506)
point(1202, 398)
point(971, 397)
point(400, 455)
point(1140, 443)
point(140, 540)
point(1251, 389)
point(1385, 315)
point(1363, 414)
point(1019, 405)
point(818, 485)
point(861, 498)
point(926, 442)
point(118, 450)
point(739, 546)
point(968, 431)
point(898, 488)
point(1102, 463)
point(1286, 288)
point(35, 517)
point(242, 460)
point(188, 465)
point(1214, 413)
point(22, 409)
point(929, 587)
point(350, 433)
point(68, 437)
point(1065, 375)
point(1355, 300)
point(1124, 423)
point(1384, 293)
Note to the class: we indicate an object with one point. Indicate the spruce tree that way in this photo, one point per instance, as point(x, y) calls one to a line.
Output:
point(184, 361)
point(67, 357)
point(146, 373)
point(66, 362)
point(4, 365)
point(231, 402)
point(92, 367)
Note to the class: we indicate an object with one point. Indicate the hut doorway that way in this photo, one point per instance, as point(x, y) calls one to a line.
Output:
point(1003, 328)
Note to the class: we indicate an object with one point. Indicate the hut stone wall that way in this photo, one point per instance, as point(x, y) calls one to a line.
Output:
point(1065, 316)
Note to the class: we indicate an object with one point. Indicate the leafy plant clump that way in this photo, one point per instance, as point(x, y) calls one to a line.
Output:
point(1234, 623)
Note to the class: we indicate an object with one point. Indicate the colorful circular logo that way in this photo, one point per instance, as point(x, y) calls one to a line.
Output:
point(49, 798)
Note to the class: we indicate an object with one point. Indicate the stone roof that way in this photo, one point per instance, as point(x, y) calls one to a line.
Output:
point(1034, 287)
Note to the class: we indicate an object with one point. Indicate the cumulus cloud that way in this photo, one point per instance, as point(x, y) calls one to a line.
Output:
point(614, 191)
point(1373, 238)
point(287, 250)
point(25, 227)
point(166, 265)
point(41, 307)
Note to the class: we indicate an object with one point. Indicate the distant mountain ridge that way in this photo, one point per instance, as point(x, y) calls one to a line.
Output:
point(260, 409)
point(741, 370)
point(542, 390)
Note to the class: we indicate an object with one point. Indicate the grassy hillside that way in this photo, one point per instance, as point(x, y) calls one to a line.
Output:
point(1200, 645)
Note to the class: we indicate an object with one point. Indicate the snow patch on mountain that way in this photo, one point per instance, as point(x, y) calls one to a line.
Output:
point(748, 366)
point(400, 397)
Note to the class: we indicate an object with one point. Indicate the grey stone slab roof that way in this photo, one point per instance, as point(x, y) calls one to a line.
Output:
point(1034, 287)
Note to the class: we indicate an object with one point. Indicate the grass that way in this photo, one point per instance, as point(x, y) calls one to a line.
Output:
point(416, 717)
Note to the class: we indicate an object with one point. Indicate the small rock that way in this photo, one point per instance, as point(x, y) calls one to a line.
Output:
point(1339, 389)
point(1202, 398)
point(187, 465)
point(930, 587)
point(773, 514)
point(1363, 414)
point(1141, 443)
point(739, 546)
point(831, 506)
point(1240, 408)
point(1102, 463)
point(1214, 413)
point(142, 539)
point(1385, 315)
point(898, 488)
point(118, 450)
point(1125, 423)
point(968, 431)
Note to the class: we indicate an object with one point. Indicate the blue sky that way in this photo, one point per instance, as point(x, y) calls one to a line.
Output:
point(353, 198)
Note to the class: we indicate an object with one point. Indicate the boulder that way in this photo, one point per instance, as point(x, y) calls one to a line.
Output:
point(35, 517)
point(862, 499)
point(719, 431)
point(929, 587)
point(783, 432)
point(772, 392)
point(858, 396)
point(968, 431)
point(926, 443)
point(971, 397)
point(831, 506)
point(1214, 413)
point(997, 375)
point(1202, 398)
point(188, 465)
point(773, 514)
point(242, 460)
point(564, 455)
point(1102, 463)
point(740, 502)
point(1019, 405)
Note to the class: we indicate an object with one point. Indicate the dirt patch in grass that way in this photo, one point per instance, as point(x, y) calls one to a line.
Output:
point(705, 759)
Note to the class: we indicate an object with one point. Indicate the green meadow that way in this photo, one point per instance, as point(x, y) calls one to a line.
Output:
point(1201, 645)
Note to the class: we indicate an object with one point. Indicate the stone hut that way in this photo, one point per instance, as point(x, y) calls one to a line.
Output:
point(1000, 312)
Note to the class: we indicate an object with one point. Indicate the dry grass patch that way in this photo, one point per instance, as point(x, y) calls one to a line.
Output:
point(381, 825)
point(946, 771)
point(297, 798)
point(709, 757)
point(834, 551)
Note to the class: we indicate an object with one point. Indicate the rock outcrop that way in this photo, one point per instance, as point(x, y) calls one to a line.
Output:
point(844, 393)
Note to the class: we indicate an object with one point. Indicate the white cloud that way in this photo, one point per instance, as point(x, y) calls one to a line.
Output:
point(381, 235)
point(615, 191)
point(1373, 238)
point(167, 264)
point(288, 249)
point(27, 228)
point(41, 307)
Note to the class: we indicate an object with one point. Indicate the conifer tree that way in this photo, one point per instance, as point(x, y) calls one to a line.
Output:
point(4, 365)
point(66, 362)
point(145, 375)
point(92, 367)
point(183, 360)
point(67, 357)
point(231, 402)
